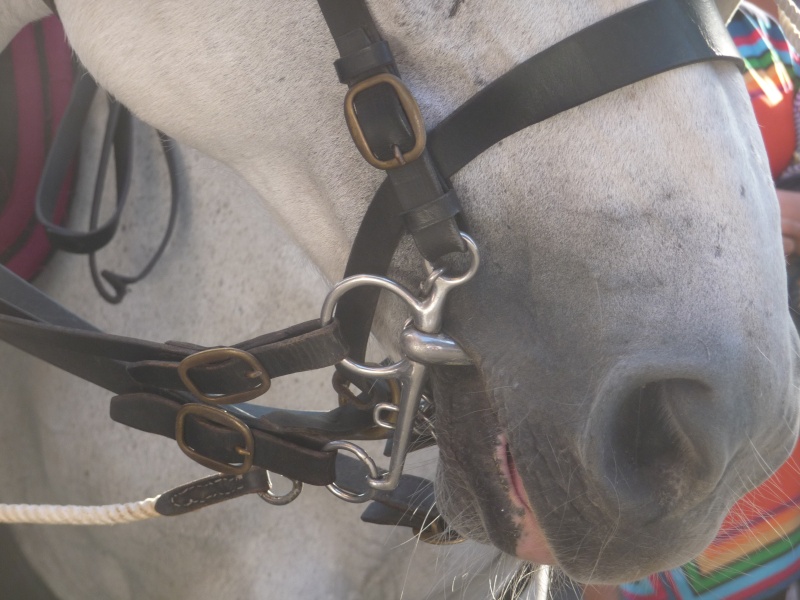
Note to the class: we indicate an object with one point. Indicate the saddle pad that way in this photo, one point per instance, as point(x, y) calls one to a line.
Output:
point(36, 77)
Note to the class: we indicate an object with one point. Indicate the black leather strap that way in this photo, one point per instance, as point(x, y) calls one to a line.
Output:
point(119, 137)
point(298, 458)
point(630, 46)
point(150, 365)
point(119, 283)
point(302, 347)
point(386, 125)
point(21, 300)
point(412, 504)
point(209, 491)
point(63, 153)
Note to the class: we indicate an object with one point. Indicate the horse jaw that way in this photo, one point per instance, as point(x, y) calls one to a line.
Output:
point(628, 262)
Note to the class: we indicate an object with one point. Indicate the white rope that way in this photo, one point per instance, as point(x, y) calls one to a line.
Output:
point(789, 18)
point(49, 514)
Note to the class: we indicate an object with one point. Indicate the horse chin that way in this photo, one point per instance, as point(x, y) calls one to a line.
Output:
point(478, 489)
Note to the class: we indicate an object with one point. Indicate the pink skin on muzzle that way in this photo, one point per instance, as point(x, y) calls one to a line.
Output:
point(532, 544)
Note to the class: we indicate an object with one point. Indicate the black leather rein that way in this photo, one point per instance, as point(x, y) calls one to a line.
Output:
point(199, 395)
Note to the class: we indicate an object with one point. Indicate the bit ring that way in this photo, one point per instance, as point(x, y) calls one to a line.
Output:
point(358, 451)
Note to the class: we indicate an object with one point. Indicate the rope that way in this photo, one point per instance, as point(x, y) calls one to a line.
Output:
point(49, 514)
point(789, 18)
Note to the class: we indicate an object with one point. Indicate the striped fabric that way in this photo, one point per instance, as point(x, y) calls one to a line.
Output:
point(756, 555)
point(773, 67)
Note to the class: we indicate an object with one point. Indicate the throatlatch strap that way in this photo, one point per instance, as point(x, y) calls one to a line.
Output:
point(637, 43)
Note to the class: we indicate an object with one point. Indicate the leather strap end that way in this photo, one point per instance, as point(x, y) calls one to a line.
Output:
point(429, 526)
point(380, 514)
point(210, 490)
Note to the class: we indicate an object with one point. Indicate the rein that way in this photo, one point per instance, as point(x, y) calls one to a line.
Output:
point(65, 148)
point(199, 396)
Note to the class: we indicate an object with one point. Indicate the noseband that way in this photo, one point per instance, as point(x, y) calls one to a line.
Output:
point(198, 396)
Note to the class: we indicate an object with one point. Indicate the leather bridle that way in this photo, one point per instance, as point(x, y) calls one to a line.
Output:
point(198, 396)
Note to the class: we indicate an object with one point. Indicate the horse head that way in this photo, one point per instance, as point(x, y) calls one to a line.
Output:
point(634, 359)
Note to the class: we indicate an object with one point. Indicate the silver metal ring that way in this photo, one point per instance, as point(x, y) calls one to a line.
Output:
point(283, 499)
point(365, 458)
point(344, 286)
point(472, 248)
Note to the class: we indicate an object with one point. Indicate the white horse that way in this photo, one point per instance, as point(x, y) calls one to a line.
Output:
point(635, 355)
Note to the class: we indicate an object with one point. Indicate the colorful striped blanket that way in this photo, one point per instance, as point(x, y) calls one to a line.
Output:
point(755, 555)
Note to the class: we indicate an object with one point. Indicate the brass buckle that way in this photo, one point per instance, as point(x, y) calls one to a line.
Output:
point(413, 115)
point(213, 355)
point(220, 417)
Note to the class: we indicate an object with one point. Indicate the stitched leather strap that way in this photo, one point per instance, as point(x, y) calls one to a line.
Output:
point(209, 491)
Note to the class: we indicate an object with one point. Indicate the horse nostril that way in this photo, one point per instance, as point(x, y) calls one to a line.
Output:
point(647, 433)
point(663, 445)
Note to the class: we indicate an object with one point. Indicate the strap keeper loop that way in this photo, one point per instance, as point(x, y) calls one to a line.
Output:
point(357, 66)
point(442, 208)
